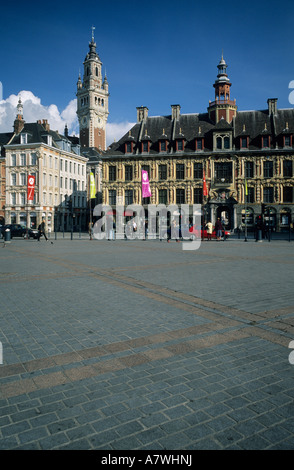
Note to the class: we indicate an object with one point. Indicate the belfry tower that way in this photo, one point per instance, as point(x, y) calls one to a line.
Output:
point(92, 101)
point(223, 107)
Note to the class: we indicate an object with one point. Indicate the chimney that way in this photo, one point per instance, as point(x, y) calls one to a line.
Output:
point(18, 124)
point(142, 114)
point(272, 106)
point(176, 111)
point(46, 125)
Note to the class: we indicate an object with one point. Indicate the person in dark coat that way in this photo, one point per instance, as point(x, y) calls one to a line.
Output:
point(42, 230)
point(219, 229)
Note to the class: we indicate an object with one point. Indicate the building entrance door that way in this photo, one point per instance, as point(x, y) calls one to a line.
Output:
point(224, 213)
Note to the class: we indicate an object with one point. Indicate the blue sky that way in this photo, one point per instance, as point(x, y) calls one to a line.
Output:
point(155, 54)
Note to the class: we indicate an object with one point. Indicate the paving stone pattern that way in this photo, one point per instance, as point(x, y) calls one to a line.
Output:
point(130, 345)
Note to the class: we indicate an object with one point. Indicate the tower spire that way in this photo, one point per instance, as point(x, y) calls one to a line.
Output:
point(93, 29)
point(223, 106)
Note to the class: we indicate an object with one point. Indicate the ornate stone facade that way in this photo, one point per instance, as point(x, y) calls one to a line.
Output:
point(247, 157)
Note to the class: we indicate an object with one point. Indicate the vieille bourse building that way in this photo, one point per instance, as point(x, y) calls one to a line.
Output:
point(233, 148)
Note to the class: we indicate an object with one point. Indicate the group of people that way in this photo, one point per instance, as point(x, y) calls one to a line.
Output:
point(173, 232)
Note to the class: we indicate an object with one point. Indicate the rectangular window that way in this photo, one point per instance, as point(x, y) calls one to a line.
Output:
point(129, 197)
point(162, 196)
point(23, 159)
point(198, 195)
point(22, 198)
point(13, 179)
point(128, 173)
point(268, 194)
point(287, 194)
point(44, 179)
point(13, 159)
point(23, 138)
point(199, 145)
point(180, 196)
point(145, 146)
point(112, 197)
point(163, 146)
point(146, 168)
point(287, 141)
point(22, 181)
point(129, 147)
point(180, 146)
point(244, 144)
point(13, 198)
point(268, 169)
point(198, 171)
point(249, 173)
point(33, 159)
point(287, 169)
point(162, 172)
point(265, 141)
point(180, 171)
point(112, 173)
point(223, 172)
point(250, 195)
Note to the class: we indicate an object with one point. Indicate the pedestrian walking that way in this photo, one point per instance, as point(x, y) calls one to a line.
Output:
point(174, 232)
point(90, 230)
point(42, 230)
point(219, 229)
point(209, 228)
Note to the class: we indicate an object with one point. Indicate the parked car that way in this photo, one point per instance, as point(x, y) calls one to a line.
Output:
point(32, 233)
point(16, 230)
point(195, 233)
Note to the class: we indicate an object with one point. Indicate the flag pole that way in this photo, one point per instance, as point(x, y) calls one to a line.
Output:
point(246, 193)
point(90, 207)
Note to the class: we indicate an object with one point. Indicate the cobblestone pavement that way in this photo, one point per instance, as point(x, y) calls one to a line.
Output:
point(131, 345)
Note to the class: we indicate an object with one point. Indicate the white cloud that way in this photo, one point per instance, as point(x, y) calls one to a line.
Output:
point(114, 131)
point(34, 110)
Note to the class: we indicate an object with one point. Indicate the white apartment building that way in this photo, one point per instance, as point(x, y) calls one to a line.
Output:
point(60, 196)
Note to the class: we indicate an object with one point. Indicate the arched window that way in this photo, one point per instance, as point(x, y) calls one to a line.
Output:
point(219, 143)
point(97, 72)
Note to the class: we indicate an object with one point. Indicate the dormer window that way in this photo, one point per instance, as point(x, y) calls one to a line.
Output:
point(180, 145)
point(265, 141)
point(244, 143)
point(48, 139)
point(287, 140)
point(223, 142)
point(199, 144)
point(23, 138)
point(129, 147)
point(163, 146)
point(145, 146)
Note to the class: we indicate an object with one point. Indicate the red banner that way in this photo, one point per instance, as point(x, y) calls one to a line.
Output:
point(205, 192)
point(31, 187)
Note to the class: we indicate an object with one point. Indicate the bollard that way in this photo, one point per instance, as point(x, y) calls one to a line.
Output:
point(7, 235)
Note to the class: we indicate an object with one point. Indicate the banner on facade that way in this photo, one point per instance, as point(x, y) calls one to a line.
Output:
point(92, 186)
point(31, 187)
point(146, 192)
point(205, 192)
